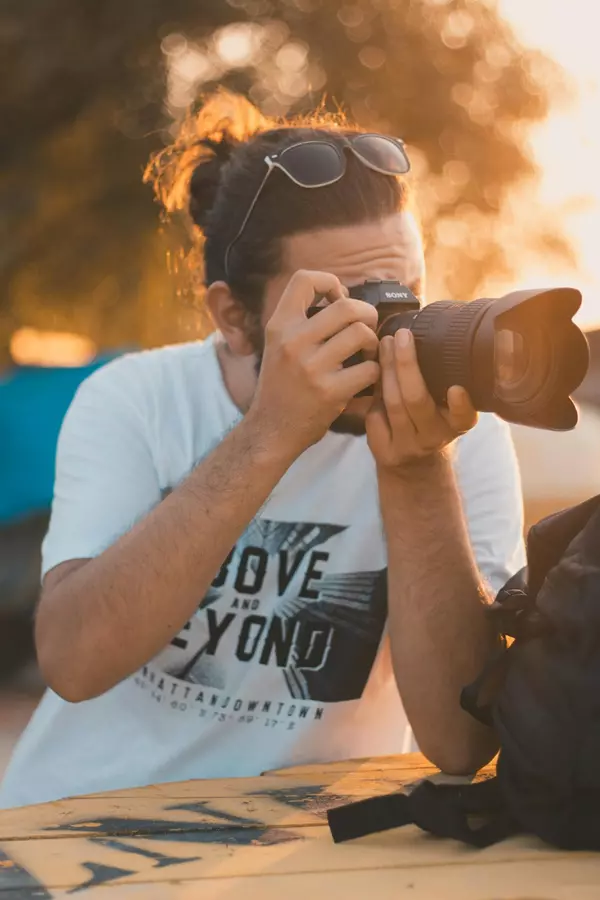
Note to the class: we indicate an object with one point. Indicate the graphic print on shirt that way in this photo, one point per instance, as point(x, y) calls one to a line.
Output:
point(276, 605)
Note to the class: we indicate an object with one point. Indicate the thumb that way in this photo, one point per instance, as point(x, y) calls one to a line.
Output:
point(461, 415)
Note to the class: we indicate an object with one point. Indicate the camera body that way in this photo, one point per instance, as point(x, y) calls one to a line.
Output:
point(391, 300)
point(388, 297)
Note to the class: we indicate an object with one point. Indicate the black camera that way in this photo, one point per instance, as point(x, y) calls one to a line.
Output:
point(520, 356)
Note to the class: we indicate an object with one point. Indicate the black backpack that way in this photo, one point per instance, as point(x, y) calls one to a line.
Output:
point(545, 708)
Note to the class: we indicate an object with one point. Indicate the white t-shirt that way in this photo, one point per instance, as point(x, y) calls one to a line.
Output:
point(285, 661)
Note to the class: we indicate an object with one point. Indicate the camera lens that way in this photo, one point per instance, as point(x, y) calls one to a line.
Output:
point(511, 359)
point(520, 356)
point(522, 364)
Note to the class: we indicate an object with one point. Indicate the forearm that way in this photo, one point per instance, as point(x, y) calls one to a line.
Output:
point(439, 634)
point(116, 612)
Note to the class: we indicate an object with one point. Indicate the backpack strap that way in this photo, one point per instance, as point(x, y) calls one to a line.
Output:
point(513, 614)
point(493, 671)
point(439, 809)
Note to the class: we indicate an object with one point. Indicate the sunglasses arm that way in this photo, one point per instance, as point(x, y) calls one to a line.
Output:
point(270, 167)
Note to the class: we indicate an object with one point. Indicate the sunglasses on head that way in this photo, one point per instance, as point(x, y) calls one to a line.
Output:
point(319, 163)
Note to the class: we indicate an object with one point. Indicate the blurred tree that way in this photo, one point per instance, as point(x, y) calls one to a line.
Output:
point(90, 90)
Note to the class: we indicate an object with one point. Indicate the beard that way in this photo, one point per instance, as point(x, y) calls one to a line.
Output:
point(347, 423)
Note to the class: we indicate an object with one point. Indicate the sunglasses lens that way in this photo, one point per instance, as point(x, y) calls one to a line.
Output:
point(312, 164)
point(381, 153)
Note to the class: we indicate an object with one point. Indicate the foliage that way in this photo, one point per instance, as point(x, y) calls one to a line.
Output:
point(90, 90)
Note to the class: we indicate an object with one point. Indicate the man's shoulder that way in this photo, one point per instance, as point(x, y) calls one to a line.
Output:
point(149, 368)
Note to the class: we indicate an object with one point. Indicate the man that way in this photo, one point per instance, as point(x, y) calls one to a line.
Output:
point(236, 576)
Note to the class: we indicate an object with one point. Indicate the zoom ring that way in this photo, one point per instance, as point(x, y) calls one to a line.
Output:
point(454, 365)
point(455, 358)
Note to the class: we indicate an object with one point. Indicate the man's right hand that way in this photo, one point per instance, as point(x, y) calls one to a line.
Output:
point(303, 385)
point(100, 621)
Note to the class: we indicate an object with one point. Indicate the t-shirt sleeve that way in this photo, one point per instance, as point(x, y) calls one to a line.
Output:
point(106, 478)
point(489, 478)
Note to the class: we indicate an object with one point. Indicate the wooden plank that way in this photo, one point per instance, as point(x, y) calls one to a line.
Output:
point(367, 764)
point(141, 802)
point(71, 863)
point(237, 787)
point(282, 807)
point(321, 773)
point(17, 883)
point(560, 879)
point(204, 804)
point(265, 838)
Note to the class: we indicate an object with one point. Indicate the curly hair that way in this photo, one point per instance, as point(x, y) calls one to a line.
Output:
point(213, 168)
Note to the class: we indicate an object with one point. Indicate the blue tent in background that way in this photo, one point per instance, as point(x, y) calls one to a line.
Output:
point(33, 403)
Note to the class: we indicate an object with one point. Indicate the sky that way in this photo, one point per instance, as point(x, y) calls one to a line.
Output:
point(567, 145)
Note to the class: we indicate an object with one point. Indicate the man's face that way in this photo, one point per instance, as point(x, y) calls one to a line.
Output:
point(387, 249)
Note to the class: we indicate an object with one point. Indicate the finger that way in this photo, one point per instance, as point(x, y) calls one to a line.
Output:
point(300, 294)
point(321, 301)
point(418, 402)
point(377, 402)
point(390, 389)
point(347, 383)
point(461, 415)
point(346, 343)
point(377, 424)
point(338, 315)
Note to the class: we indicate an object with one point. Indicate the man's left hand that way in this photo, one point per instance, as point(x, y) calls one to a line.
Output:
point(404, 424)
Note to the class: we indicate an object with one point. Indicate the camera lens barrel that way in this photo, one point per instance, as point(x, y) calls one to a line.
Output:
point(443, 334)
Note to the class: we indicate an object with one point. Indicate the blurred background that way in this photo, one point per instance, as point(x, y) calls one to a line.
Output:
point(498, 101)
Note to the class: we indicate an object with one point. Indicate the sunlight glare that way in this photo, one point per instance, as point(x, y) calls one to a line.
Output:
point(567, 145)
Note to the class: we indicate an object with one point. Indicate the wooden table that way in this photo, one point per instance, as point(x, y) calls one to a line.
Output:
point(266, 838)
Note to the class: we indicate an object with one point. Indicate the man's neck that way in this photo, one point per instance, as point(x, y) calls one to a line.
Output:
point(239, 374)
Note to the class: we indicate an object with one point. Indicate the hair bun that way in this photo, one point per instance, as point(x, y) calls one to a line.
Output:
point(206, 176)
point(186, 175)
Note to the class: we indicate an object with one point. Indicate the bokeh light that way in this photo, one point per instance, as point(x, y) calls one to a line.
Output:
point(33, 347)
point(567, 144)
